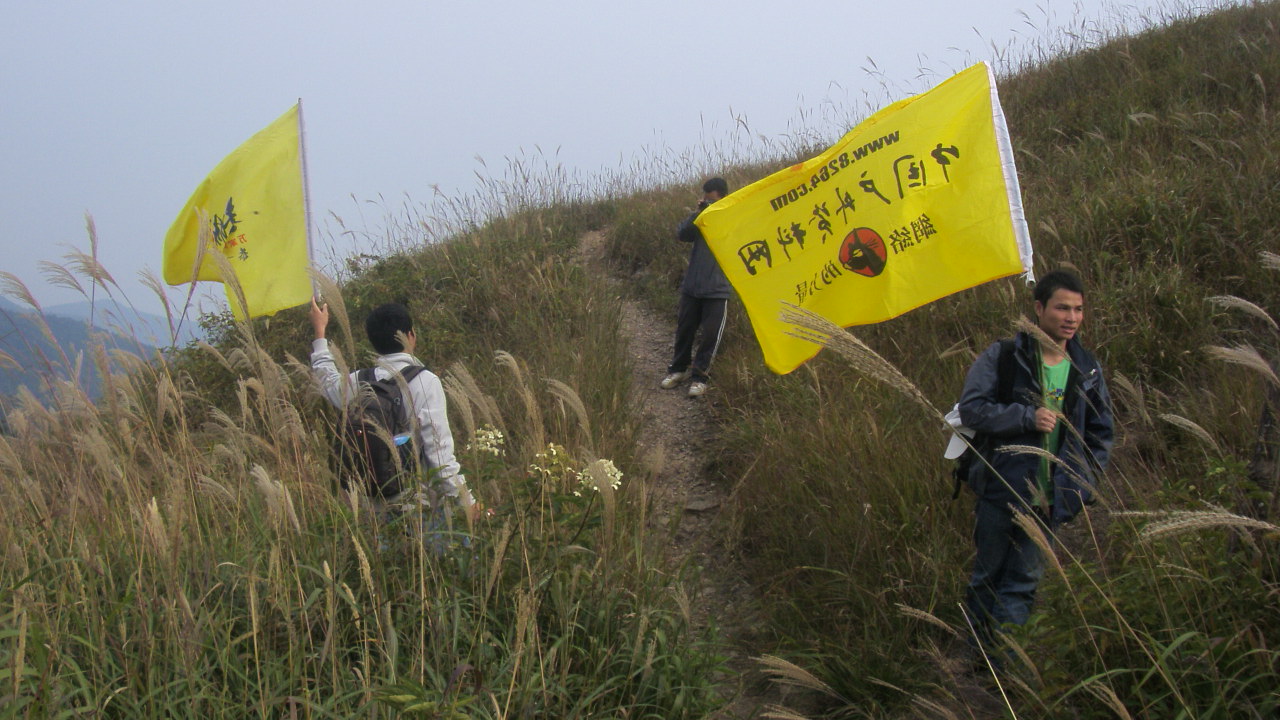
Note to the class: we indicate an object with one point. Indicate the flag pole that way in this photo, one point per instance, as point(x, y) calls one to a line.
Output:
point(306, 189)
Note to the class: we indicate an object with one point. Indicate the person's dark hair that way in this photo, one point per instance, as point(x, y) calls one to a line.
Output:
point(716, 185)
point(1055, 281)
point(383, 324)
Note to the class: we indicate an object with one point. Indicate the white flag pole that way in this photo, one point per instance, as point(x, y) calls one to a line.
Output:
point(1005, 144)
point(306, 190)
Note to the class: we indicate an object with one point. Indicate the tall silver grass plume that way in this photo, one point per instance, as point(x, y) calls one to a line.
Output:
point(459, 402)
point(1245, 356)
point(812, 327)
point(1043, 454)
point(784, 672)
point(1172, 523)
point(12, 286)
point(1104, 692)
point(536, 431)
point(1270, 260)
point(570, 397)
point(153, 525)
point(1232, 302)
point(1200, 433)
point(59, 276)
point(1036, 532)
point(926, 616)
point(152, 282)
point(279, 501)
point(778, 712)
point(217, 355)
point(7, 362)
point(1134, 393)
point(214, 488)
point(1024, 324)
point(88, 266)
point(231, 282)
point(487, 406)
point(934, 709)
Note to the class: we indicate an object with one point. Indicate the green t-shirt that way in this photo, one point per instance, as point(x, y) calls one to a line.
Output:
point(1053, 381)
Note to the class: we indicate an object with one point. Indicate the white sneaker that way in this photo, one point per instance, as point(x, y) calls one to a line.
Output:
point(674, 379)
point(697, 388)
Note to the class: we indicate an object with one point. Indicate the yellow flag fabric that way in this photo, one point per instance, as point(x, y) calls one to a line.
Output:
point(254, 215)
point(919, 201)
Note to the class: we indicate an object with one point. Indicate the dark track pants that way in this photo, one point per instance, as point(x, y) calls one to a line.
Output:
point(707, 314)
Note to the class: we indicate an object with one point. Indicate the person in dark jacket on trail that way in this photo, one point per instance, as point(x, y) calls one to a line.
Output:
point(704, 296)
point(1060, 404)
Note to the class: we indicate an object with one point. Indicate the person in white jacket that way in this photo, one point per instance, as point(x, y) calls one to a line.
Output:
point(390, 331)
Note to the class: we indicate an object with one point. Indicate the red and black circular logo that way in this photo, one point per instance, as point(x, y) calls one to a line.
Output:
point(863, 252)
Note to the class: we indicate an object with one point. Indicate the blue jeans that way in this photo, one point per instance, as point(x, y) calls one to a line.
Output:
point(1006, 571)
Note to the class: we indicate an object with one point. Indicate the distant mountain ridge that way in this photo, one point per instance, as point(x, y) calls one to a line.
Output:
point(38, 359)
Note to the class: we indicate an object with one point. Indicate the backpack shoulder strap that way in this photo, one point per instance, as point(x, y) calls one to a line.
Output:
point(1006, 366)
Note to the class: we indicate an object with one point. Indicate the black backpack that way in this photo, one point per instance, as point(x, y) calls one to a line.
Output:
point(964, 469)
point(376, 414)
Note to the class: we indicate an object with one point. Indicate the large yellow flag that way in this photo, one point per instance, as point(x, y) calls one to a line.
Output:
point(253, 211)
point(919, 201)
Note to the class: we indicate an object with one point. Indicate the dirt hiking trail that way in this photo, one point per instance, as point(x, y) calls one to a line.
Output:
point(675, 443)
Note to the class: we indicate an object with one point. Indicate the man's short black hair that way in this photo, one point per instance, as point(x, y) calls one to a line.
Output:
point(383, 324)
point(1060, 279)
point(716, 184)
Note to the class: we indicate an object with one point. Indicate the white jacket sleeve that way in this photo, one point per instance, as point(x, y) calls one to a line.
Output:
point(337, 389)
point(431, 407)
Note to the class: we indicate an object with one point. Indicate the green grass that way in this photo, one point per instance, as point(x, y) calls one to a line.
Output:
point(179, 549)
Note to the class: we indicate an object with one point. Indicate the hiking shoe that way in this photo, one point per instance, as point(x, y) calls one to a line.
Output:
point(674, 379)
point(697, 388)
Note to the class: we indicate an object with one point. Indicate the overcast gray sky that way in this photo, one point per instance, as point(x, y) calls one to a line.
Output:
point(120, 108)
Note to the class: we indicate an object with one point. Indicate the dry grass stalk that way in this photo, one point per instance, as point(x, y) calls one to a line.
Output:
point(1270, 260)
point(570, 397)
point(366, 574)
point(1192, 428)
point(533, 413)
point(1024, 324)
point(1178, 522)
point(814, 328)
point(469, 388)
point(1235, 303)
point(778, 712)
point(459, 402)
point(784, 672)
point(279, 501)
point(1247, 357)
point(933, 708)
point(927, 617)
point(153, 526)
point(1035, 531)
point(1107, 695)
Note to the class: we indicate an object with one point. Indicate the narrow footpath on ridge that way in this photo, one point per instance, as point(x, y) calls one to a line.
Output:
point(675, 441)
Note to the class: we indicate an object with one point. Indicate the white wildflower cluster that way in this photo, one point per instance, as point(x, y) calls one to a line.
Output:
point(604, 469)
point(488, 439)
point(553, 466)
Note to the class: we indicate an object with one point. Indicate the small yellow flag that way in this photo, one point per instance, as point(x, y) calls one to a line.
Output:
point(254, 214)
point(919, 201)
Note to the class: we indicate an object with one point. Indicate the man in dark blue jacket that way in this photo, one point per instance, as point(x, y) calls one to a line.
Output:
point(704, 295)
point(1055, 399)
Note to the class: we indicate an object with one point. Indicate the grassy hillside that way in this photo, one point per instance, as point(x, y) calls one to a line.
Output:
point(1148, 164)
point(180, 549)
